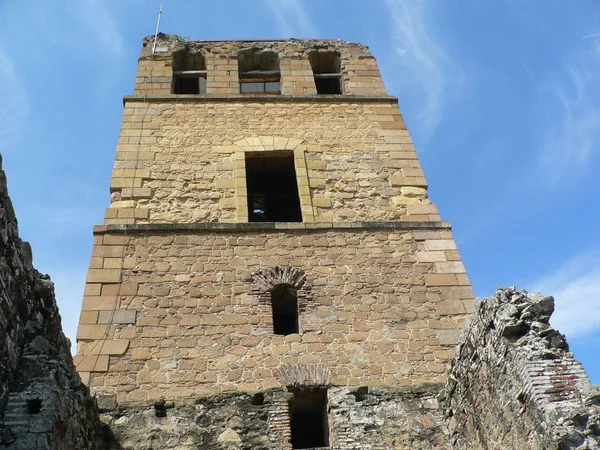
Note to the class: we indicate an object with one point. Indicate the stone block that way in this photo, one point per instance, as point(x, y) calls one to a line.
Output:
point(439, 256)
point(322, 202)
point(441, 244)
point(450, 307)
point(118, 316)
point(93, 332)
point(91, 363)
point(103, 276)
point(88, 317)
point(103, 347)
point(225, 183)
point(449, 267)
point(448, 337)
point(444, 279)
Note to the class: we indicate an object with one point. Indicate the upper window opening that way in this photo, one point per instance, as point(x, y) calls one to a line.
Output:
point(272, 187)
point(259, 72)
point(284, 301)
point(308, 419)
point(327, 67)
point(189, 73)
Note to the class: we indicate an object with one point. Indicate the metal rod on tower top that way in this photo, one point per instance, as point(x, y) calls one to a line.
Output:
point(156, 33)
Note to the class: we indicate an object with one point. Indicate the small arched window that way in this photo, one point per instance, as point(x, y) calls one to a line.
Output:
point(284, 302)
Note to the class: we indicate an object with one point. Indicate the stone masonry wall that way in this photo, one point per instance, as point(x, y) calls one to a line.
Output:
point(184, 162)
point(377, 306)
point(514, 384)
point(181, 158)
point(43, 403)
point(359, 419)
point(360, 74)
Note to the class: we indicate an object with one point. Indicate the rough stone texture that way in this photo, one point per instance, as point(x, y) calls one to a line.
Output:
point(359, 72)
point(514, 384)
point(368, 309)
point(179, 296)
point(180, 158)
point(173, 309)
point(43, 403)
point(359, 419)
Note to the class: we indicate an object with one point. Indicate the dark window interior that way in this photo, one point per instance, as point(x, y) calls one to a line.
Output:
point(189, 72)
point(259, 71)
point(285, 310)
point(328, 85)
point(34, 406)
point(272, 187)
point(327, 67)
point(308, 417)
point(190, 85)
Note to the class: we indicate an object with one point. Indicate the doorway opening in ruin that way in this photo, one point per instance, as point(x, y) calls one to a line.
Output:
point(272, 187)
point(284, 301)
point(308, 418)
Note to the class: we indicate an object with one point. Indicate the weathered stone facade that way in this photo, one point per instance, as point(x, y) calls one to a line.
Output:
point(43, 403)
point(180, 295)
point(379, 418)
point(514, 384)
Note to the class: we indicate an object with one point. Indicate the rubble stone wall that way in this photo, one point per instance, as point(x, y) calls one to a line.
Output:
point(181, 158)
point(189, 313)
point(43, 403)
point(514, 384)
point(359, 418)
point(359, 72)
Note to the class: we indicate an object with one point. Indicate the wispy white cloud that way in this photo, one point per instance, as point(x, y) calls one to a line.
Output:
point(573, 139)
point(98, 19)
point(576, 290)
point(424, 61)
point(292, 18)
point(589, 36)
point(14, 105)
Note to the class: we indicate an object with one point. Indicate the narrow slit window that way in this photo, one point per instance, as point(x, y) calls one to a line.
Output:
point(308, 419)
point(284, 302)
point(326, 66)
point(259, 72)
point(272, 187)
point(189, 73)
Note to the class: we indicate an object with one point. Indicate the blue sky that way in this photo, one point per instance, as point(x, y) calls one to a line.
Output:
point(501, 98)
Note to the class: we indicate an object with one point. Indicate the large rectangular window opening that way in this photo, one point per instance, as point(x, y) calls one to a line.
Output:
point(272, 187)
point(259, 71)
point(308, 418)
point(327, 67)
point(189, 73)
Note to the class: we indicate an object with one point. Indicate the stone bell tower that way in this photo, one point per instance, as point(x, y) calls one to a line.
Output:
point(270, 271)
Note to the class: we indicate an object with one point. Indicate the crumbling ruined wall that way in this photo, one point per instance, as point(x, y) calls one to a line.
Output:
point(43, 403)
point(515, 385)
point(359, 419)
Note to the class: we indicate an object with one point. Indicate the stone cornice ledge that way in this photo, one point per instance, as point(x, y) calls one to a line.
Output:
point(269, 226)
point(254, 98)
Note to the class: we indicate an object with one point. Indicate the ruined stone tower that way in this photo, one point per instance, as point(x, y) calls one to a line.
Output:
point(270, 273)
